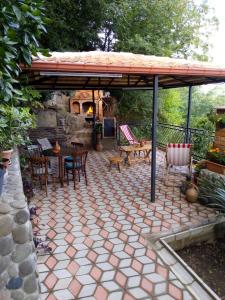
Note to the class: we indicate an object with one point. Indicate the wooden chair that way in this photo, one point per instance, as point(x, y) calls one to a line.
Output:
point(178, 155)
point(78, 164)
point(76, 146)
point(39, 166)
point(34, 150)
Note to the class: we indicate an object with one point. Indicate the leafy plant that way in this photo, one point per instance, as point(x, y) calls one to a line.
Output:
point(14, 123)
point(212, 193)
point(216, 155)
point(22, 23)
point(98, 128)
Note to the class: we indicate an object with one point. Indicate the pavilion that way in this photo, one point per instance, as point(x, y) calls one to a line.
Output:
point(111, 70)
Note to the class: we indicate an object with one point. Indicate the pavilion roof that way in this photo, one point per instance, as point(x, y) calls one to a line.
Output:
point(96, 69)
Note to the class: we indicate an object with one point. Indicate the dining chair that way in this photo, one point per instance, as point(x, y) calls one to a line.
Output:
point(76, 146)
point(34, 150)
point(77, 165)
point(40, 171)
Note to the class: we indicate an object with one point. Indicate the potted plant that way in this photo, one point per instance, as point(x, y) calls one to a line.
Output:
point(14, 123)
point(216, 160)
point(98, 132)
point(212, 194)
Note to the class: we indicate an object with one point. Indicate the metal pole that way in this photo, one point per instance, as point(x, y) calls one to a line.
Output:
point(154, 135)
point(94, 115)
point(188, 114)
point(94, 108)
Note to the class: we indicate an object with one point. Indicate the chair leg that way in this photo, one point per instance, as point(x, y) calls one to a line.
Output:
point(74, 178)
point(46, 186)
point(85, 176)
point(110, 166)
point(118, 166)
point(67, 177)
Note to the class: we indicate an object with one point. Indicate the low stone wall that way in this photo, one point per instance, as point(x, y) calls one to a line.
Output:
point(18, 275)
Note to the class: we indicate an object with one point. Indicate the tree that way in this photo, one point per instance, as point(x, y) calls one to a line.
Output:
point(75, 25)
point(158, 27)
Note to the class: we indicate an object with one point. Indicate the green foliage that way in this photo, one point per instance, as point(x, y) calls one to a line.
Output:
point(75, 25)
point(14, 123)
point(133, 105)
point(202, 106)
point(212, 193)
point(31, 98)
point(216, 155)
point(163, 28)
point(22, 23)
point(155, 27)
point(170, 107)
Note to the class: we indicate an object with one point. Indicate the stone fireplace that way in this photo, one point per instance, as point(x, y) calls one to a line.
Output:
point(81, 103)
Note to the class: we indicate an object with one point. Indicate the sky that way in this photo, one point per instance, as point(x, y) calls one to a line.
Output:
point(217, 50)
point(218, 39)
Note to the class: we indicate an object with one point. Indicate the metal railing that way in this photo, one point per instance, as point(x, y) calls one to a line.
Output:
point(201, 139)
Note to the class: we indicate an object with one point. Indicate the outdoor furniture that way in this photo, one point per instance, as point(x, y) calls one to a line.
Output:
point(44, 143)
point(128, 134)
point(34, 150)
point(78, 165)
point(115, 160)
point(76, 146)
point(39, 167)
point(178, 155)
point(133, 149)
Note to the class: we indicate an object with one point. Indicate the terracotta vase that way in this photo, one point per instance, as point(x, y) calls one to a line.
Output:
point(56, 149)
point(192, 193)
point(6, 154)
point(99, 146)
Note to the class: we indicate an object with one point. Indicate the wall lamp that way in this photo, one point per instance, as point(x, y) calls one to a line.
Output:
point(74, 74)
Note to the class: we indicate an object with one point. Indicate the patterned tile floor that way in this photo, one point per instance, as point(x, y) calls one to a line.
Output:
point(98, 232)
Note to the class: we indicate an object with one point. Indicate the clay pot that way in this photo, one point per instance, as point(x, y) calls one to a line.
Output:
point(192, 193)
point(56, 149)
point(98, 146)
point(6, 154)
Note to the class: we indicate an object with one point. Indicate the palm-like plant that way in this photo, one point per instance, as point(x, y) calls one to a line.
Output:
point(212, 193)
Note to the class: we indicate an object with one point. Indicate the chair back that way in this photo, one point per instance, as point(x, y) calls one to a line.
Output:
point(34, 150)
point(77, 145)
point(39, 166)
point(178, 154)
point(45, 144)
point(128, 134)
point(80, 157)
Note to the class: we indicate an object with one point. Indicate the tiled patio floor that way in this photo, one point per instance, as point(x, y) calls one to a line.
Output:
point(98, 235)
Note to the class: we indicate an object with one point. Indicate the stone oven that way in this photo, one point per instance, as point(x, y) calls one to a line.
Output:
point(81, 103)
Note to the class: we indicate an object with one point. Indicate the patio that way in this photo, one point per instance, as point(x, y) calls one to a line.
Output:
point(98, 234)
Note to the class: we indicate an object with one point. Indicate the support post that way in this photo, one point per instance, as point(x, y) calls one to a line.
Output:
point(154, 136)
point(187, 133)
point(94, 108)
point(94, 119)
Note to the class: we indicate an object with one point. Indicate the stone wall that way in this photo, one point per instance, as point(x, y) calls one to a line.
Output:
point(18, 275)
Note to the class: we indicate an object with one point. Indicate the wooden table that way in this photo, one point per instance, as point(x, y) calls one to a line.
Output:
point(64, 151)
point(136, 151)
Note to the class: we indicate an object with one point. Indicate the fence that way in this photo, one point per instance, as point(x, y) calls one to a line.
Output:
point(167, 133)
